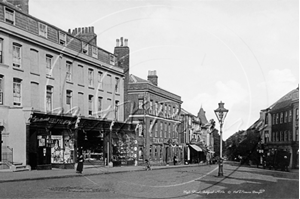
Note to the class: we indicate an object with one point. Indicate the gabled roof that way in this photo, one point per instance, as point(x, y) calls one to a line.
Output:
point(201, 115)
point(185, 112)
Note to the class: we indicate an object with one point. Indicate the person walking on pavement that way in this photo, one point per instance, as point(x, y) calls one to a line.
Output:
point(148, 167)
point(80, 163)
point(174, 159)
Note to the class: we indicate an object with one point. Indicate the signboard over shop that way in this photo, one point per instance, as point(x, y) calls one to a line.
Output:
point(53, 120)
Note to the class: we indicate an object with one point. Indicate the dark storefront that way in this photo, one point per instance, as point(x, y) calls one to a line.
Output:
point(53, 141)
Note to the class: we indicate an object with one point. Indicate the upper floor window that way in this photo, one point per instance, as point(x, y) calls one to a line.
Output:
point(62, 37)
point(91, 77)
point(156, 130)
point(297, 114)
point(117, 85)
point(1, 50)
point(281, 118)
point(277, 118)
point(109, 85)
point(290, 115)
point(274, 118)
point(150, 108)
point(141, 103)
point(17, 55)
point(69, 99)
point(17, 91)
point(43, 29)
point(94, 52)
point(100, 80)
point(9, 16)
point(285, 117)
point(161, 130)
point(69, 71)
point(80, 75)
point(49, 93)
point(1, 89)
point(48, 65)
point(297, 134)
point(117, 110)
point(90, 105)
point(100, 104)
point(34, 61)
point(85, 48)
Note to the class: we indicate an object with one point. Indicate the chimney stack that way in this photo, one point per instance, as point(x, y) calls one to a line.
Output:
point(86, 34)
point(152, 77)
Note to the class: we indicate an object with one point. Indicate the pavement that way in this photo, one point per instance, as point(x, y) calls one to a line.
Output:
point(9, 176)
point(88, 170)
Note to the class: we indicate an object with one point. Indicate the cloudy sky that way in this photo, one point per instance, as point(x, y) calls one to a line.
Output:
point(244, 53)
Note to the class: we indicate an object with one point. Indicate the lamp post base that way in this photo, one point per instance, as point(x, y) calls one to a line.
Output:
point(220, 173)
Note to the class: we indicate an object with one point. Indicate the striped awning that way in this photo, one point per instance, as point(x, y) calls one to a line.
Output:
point(195, 147)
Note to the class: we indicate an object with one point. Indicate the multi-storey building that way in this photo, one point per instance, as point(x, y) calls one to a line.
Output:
point(59, 92)
point(285, 126)
point(198, 140)
point(157, 112)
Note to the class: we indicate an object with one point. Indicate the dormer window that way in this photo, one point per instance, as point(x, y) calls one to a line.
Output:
point(85, 48)
point(62, 38)
point(112, 60)
point(94, 52)
point(43, 30)
point(9, 16)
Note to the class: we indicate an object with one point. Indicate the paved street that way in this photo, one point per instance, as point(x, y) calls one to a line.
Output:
point(174, 182)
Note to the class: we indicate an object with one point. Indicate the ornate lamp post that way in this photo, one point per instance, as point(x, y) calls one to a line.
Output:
point(221, 113)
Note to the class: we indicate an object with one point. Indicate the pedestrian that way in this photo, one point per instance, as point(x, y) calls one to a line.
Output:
point(148, 167)
point(174, 160)
point(80, 163)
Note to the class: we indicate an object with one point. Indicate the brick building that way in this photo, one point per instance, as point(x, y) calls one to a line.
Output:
point(59, 92)
point(155, 110)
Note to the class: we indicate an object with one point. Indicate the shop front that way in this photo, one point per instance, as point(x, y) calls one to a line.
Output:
point(50, 141)
point(53, 141)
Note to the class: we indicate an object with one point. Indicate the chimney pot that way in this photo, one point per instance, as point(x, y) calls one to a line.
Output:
point(86, 30)
point(117, 42)
point(121, 41)
point(126, 42)
point(92, 29)
point(152, 77)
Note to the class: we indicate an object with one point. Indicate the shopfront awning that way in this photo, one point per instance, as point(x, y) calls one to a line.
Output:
point(195, 147)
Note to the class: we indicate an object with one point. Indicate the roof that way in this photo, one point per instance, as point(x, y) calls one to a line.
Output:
point(201, 115)
point(286, 100)
point(185, 112)
point(136, 79)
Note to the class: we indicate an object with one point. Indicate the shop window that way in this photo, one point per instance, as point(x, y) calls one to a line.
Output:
point(1, 89)
point(286, 136)
point(17, 91)
point(68, 71)
point(297, 134)
point(49, 65)
point(161, 153)
point(17, 55)
point(156, 152)
point(9, 16)
point(141, 153)
point(81, 102)
point(91, 77)
point(49, 94)
point(150, 152)
point(43, 30)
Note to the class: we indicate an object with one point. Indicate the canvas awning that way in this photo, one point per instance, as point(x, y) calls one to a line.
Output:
point(195, 147)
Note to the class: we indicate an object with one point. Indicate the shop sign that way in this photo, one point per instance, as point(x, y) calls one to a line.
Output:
point(51, 120)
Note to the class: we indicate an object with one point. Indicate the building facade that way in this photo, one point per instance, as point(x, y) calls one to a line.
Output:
point(59, 92)
point(157, 112)
point(280, 127)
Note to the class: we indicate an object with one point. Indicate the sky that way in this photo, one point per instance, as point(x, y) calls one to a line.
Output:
point(244, 53)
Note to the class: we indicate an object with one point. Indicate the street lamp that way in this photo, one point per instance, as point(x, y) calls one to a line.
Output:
point(221, 113)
